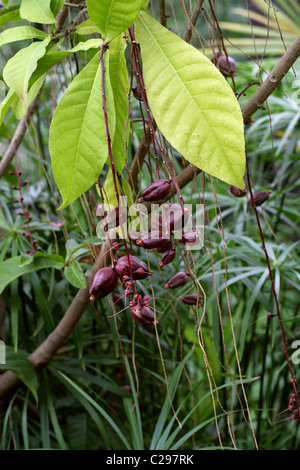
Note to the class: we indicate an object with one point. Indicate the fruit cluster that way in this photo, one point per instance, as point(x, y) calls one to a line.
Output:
point(128, 269)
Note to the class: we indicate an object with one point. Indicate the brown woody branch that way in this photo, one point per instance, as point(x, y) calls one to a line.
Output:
point(162, 13)
point(193, 20)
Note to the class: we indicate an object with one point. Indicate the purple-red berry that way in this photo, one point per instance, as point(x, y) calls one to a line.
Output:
point(227, 66)
point(237, 192)
point(180, 279)
point(139, 269)
point(167, 257)
point(190, 238)
point(142, 314)
point(191, 299)
point(156, 190)
point(104, 282)
point(259, 198)
point(155, 239)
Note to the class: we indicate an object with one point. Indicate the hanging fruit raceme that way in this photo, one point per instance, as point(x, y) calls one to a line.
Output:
point(191, 299)
point(259, 198)
point(237, 192)
point(104, 282)
point(178, 280)
point(156, 190)
point(139, 269)
point(214, 58)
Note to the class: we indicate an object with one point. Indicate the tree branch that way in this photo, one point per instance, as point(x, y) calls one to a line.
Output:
point(193, 19)
point(266, 89)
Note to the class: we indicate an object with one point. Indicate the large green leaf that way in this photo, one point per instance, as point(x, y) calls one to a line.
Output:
point(77, 141)
point(192, 103)
point(19, 33)
point(20, 365)
point(113, 16)
point(119, 82)
point(37, 11)
point(21, 66)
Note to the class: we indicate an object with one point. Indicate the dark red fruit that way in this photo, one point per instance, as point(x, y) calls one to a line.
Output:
point(227, 66)
point(137, 92)
point(215, 56)
point(259, 198)
point(169, 246)
point(138, 268)
point(167, 257)
point(104, 282)
point(191, 299)
point(178, 280)
point(156, 190)
point(237, 192)
point(142, 314)
point(155, 239)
